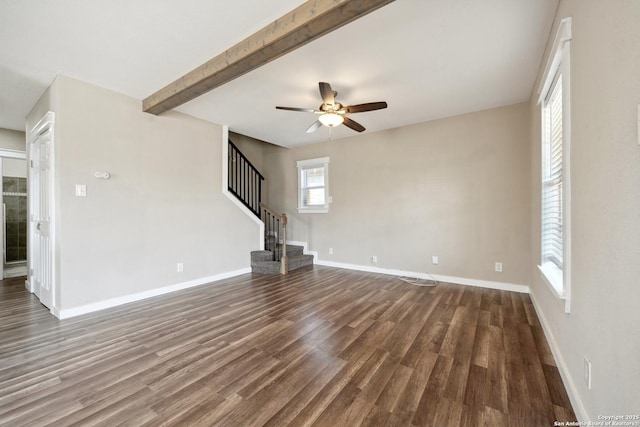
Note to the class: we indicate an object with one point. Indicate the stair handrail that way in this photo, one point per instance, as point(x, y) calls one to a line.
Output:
point(282, 221)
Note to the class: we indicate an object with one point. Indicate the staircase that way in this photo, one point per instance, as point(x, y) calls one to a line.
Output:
point(245, 182)
point(262, 261)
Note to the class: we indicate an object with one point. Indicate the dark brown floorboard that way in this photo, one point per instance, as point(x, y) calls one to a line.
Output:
point(321, 346)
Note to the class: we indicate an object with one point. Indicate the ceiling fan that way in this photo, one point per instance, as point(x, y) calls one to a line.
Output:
point(333, 113)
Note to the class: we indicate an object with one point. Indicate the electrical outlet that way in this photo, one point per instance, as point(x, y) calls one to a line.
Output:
point(587, 372)
point(434, 260)
point(180, 267)
point(374, 259)
point(330, 251)
point(499, 267)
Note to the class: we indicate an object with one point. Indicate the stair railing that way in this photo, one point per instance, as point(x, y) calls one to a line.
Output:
point(275, 231)
point(245, 182)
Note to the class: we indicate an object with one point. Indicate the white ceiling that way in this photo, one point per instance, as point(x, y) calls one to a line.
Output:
point(427, 58)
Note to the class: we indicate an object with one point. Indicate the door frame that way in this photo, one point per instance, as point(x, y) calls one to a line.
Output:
point(47, 122)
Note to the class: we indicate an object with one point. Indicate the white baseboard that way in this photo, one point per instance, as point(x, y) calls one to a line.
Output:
point(17, 271)
point(440, 278)
point(113, 302)
point(569, 384)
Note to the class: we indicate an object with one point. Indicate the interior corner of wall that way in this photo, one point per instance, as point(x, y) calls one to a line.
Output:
point(225, 156)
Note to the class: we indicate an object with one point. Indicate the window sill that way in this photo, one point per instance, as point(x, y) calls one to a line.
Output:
point(313, 210)
point(553, 278)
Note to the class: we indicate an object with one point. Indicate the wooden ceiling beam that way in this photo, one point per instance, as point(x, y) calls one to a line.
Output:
point(302, 25)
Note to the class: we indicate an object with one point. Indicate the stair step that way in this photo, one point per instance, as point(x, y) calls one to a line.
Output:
point(295, 262)
point(294, 250)
point(299, 261)
point(266, 267)
point(257, 256)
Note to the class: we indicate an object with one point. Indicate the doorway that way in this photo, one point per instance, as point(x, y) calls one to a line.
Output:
point(13, 213)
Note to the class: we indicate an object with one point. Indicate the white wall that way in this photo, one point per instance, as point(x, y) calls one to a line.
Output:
point(12, 140)
point(457, 188)
point(162, 205)
point(604, 324)
point(14, 167)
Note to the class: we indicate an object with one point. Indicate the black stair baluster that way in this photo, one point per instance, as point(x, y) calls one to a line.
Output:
point(245, 181)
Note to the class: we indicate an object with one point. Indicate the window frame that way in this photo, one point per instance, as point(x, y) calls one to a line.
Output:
point(303, 165)
point(557, 72)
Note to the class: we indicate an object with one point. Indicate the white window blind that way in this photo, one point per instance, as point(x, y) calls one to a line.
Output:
point(552, 179)
point(312, 188)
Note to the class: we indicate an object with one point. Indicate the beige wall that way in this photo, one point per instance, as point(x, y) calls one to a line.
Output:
point(457, 188)
point(252, 149)
point(604, 324)
point(14, 167)
point(162, 205)
point(12, 140)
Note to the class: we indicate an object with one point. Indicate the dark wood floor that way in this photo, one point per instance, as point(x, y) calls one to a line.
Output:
point(324, 347)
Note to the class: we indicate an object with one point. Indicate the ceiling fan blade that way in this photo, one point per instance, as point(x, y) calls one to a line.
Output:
point(327, 93)
point(305, 110)
point(314, 126)
point(353, 124)
point(370, 106)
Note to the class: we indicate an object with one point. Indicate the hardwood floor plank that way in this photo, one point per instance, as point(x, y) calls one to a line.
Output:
point(291, 359)
point(208, 411)
point(496, 388)
point(557, 393)
point(475, 387)
point(322, 346)
point(422, 411)
point(429, 339)
point(390, 395)
point(258, 409)
point(328, 393)
point(413, 394)
point(377, 417)
point(301, 399)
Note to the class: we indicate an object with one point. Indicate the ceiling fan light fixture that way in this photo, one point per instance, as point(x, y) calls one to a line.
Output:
point(331, 119)
point(333, 113)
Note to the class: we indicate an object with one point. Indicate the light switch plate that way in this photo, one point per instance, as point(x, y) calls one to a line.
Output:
point(81, 190)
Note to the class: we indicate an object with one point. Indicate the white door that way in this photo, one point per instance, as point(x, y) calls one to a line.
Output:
point(40, 209)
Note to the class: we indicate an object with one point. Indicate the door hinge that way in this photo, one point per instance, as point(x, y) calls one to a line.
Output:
point(31, 163)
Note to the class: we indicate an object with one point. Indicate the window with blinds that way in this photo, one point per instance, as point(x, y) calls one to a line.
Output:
point(552, 177)
point(312, 188)
point(555, 194)
point(313, 185)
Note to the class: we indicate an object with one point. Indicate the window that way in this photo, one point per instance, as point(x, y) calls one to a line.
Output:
point(313, 185)
point(552, 221)
point(555, 188)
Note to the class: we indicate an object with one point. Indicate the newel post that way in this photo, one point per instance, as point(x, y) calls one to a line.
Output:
point(284, 263)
